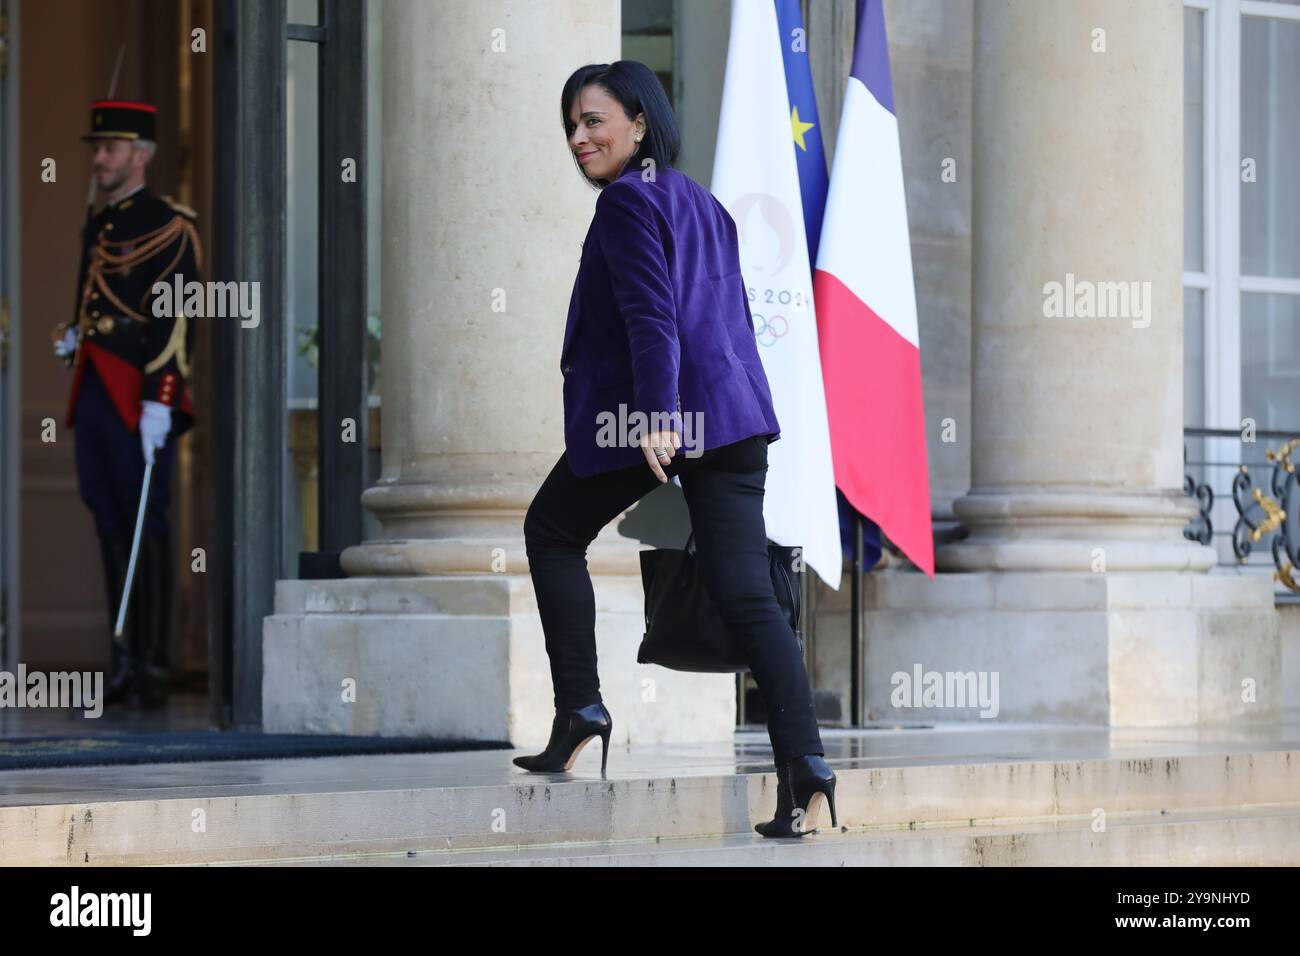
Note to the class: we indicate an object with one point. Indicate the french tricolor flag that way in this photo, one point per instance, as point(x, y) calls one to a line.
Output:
point(866, 310)
point(762, 131)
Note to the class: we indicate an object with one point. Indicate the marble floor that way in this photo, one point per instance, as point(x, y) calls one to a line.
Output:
point(885, 745)
point(184, 711)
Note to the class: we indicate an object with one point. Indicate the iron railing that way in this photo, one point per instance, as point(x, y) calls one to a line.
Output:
point(1253, 520)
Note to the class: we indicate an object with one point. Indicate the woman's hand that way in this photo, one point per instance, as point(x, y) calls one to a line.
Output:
point(665, 440)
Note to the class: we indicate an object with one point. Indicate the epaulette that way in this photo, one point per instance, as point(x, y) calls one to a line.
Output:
point(185, 211)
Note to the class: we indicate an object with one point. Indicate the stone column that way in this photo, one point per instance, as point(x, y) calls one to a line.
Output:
point(1085, 599)
point(1076, 432)
point(484, 214)
point(483, 219)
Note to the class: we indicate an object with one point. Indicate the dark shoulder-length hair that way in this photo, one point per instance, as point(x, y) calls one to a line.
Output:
point(638, 90)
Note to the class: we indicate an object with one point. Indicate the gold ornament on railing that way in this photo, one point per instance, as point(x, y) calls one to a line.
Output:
point(1274, 512)
point(1282, 457)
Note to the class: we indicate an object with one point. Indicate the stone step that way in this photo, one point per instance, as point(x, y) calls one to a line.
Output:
point(410, 807)
point(1252, 837)
point(464, 595)
point(461, 595)
point(464, 657)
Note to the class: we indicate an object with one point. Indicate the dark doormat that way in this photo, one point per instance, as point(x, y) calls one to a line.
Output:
point(23, 753)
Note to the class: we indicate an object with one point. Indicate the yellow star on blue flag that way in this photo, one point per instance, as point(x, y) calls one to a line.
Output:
point(798, 128)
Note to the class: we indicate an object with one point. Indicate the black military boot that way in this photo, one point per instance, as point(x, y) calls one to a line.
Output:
point(154, 594)
point(122, 652)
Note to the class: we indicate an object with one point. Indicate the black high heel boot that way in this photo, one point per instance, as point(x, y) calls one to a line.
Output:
point(570, 732)
point(803, 785)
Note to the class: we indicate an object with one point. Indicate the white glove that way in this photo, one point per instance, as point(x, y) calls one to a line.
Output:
point(66, 345)
point(155, 423)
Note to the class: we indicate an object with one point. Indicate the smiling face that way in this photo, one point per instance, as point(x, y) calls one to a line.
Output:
point(601, 136)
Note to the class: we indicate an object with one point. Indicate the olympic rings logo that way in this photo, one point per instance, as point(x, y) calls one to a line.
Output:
point(770, 329)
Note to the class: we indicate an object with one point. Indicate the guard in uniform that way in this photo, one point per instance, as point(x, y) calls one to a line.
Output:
point(130, 399)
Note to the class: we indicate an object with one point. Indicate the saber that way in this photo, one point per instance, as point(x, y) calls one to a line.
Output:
point(90, 213)
point(135, 552)
point(148, 470)
point(112, 89)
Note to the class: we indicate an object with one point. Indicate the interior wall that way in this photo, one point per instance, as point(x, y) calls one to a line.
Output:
point(68, 53)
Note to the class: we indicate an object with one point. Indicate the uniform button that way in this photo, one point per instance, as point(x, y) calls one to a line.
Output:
point(109, 226)
point(94, 315)
point(94, 295)
point(567, 369)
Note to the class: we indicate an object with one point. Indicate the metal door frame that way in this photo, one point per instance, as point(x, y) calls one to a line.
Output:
point(11, 345)
point(250, 365)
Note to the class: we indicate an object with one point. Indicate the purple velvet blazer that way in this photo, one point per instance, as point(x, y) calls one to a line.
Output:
point(659, 323)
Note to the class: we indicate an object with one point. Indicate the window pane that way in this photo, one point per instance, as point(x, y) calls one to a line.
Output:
point(1195, 447)
point(301, 274)
point(648, 37)
point(302, 11)
point(1270, 138)
point(301, 266)
point(1270, 360)
point(1193, 140)
point(374, 211)
point(1193, 358)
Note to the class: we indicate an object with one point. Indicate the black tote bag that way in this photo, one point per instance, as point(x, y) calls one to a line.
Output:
point(684, 630)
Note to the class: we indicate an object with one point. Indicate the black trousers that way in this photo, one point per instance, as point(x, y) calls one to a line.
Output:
point(724, 492)
point(110, 473)
point(110, 466)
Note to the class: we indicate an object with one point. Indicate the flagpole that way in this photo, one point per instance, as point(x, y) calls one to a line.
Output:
point(855, 627)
